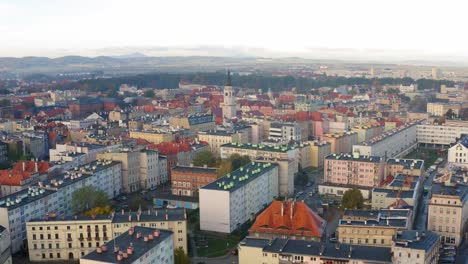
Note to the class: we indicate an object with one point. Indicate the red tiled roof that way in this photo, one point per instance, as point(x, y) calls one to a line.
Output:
point(15, 175)
point(277, 219)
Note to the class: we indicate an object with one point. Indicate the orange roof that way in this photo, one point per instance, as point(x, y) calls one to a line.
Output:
point(42, 166)
point(294, 218)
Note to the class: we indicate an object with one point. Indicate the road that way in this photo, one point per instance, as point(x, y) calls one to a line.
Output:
point(420, 222)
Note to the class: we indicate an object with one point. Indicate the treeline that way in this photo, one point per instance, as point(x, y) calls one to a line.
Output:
point(171, 81)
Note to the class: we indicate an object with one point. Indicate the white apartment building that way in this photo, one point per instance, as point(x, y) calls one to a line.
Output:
point(18, 208)
point(448, 212)
point(441, 136)
point(5, 246)
point(394, 143)
point(285, 132)
point(458, 153)
point(91, 150)
point(230, 201)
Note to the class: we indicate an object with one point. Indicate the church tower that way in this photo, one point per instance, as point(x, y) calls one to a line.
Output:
point(229, 103)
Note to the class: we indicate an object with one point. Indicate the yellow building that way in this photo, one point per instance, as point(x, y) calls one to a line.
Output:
point(153, 136)
point(372, 228)
point(54, 238)
point(318, 151)
point(217, 138)
point(195, 123)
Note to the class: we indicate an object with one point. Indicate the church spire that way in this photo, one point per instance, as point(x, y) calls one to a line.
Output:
point(228, 78)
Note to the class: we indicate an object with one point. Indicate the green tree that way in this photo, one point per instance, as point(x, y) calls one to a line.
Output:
point(301, 177)
point(204, 158)
point(149, 93)
point(450, 114)
point(238, 161)
point(352, 199)
point(180, 257)
point(88, 197)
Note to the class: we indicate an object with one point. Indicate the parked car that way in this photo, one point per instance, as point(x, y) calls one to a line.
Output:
point(308, 184)
point(153, 188)
point(449, 248)
point(143, 192)
point(333, 240)
point(311, 194)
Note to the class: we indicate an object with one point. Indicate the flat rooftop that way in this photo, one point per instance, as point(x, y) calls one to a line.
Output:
point(125, 240)
point(352, 157)
point(451, 190)
point(240, 177)
point(192, 169)
point(24, 197)
point(283, 148)
point(326, 251)
point(417, 239)
point(407, 163)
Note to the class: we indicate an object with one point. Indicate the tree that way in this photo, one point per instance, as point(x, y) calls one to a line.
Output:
point(224, 167)
point(149, 93)
point(352, 199)
point(238, 161)
point(418, 104)
point(204, 158)
point(88, 197)
point(450, 114)
point(301, 177)
point(106, 210)
point(464, 114)
point(180, 257)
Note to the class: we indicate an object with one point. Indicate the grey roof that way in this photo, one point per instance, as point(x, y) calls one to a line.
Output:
point(347, 156)
point(282, 148)
point(194, 169)
point(408, 194)
point(72, 218)
point(452, 190)
point(324, 250)
point(385, 217)
point(417, 239)
point(123, 241)
point(24, 197)
point(407, 163)
point(234, 180)
point(177, 214)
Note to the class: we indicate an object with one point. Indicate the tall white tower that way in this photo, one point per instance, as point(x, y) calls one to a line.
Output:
point(229, 103)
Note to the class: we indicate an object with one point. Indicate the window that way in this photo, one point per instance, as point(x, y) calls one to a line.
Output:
point(57, 245)
point(33, 228)
point(68, 227)
point(58, 255)
point(50, 245)
point(34, 237)
point(35, 246)
point(409, 255)
point(81, 244)
point(51, 255)
point(49, 236)
point(265, 254)
point(56, 236)
point(417, 255)
point(382, 241)
point(48, 228)
point(69, 245)
point(41, 236)
point(43, 255)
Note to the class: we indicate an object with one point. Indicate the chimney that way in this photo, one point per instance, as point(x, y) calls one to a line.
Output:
point(129, 217)
point(167, 217)
point(138, 217)
point(123, 211)
point(36, 169)
point(24, 165)
point(282, 209)
point(185, 213)
point(292, 209)
point(350, 251)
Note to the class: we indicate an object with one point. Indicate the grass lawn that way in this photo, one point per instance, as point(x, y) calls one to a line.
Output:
point(211, 246)
point(428, 155)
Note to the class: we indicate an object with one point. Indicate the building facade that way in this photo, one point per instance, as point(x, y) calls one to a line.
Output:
point(230, 201)
point(448, 212)
point(187, 180)
point(441, 136)
point(458, 154)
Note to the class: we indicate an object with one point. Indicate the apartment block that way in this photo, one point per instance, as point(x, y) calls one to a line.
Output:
point(155, 137)
point(140, 168)
point(367, 132)
point(341, 142)
point(448, 212)
point(187, 180)
point(285, 132)
point(5, 246)
point(393, 143)
point(441, 136)
point(373, 228)
point(318, 151)
point(230, 201)
point(195, 122)
point(353, 169)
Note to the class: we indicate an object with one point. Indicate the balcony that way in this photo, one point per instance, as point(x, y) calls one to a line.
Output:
point(69, 239)
point(97, 238)
point(89, 239)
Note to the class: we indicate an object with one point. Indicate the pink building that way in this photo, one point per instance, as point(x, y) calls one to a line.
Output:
point(353, 169)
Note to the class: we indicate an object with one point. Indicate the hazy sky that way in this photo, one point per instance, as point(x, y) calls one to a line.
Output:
point(53, 27)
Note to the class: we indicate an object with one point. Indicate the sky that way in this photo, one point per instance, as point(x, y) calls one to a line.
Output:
point(91, 27)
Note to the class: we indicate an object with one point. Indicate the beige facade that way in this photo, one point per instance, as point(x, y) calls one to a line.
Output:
point(216, 139)
point(448, 212)
point(153, 136)
point(67, 238)
point(416, 246)
point(319, 150)
point(341, 142)
point(195, 123)
point(140, 169)
point(441, 135)
point(366, 132)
